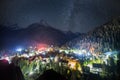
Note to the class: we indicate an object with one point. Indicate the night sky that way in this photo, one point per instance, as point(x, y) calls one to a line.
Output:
point(74, 15)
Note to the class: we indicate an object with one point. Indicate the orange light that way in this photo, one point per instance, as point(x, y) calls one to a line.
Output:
point(72, 64)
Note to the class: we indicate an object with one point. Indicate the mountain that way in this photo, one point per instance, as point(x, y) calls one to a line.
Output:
point(34, 34)
point(104, 38)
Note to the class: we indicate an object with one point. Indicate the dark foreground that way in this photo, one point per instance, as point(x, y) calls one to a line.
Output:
point(12, 72)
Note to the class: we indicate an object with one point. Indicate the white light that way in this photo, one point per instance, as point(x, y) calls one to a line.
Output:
point(37, 68)
point(43, 53)
point(51, 58)
point(43, 62)
point(90, 66)
point(19, 49)
point(31, 54)
point(31, 73)
point(25, 55)
point(7, 58)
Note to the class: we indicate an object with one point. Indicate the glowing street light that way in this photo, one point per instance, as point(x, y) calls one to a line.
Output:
point(19, 49)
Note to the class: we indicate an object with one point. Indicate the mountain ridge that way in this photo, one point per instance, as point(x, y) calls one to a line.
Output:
point(34, 34)
point(102, 39)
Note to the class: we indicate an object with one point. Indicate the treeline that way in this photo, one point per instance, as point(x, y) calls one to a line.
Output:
point(101, 39)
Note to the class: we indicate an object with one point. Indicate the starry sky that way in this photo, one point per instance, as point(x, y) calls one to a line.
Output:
point(74, 15)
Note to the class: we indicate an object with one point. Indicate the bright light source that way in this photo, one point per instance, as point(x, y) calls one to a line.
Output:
point(7, 58)
point(43, 62)
point(31, 54)
point(90, 66)
point(31, 73)
point(25, 55)
point(110, 53)
point(19, 49)
point(72, 64)
point(51, 58)
point(43, 53)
